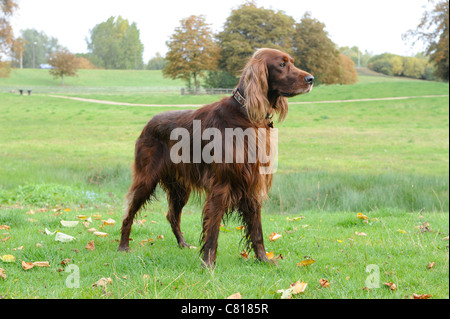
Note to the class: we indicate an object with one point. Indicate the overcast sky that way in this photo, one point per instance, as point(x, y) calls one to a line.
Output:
point(372, 25)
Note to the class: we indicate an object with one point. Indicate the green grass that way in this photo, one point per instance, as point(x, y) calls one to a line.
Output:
point(387, 159)
point(159, 269)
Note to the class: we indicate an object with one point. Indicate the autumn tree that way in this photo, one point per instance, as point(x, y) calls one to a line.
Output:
point(7, 8)
point(116, 44)
point(315, 52)
point(433, 29)
point(249, 28)
point(192, 51)
point(64, 63)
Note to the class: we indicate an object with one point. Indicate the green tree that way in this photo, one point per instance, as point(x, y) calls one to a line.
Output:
point(192, 51)
point(157, 62)
point(359, 58)
point(315, 52)
point(64, 63)
point(433, 29)
point(115, 44)
point(249, 28)
point(37, 47)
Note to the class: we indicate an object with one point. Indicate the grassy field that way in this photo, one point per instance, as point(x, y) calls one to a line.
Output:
point(386, 159)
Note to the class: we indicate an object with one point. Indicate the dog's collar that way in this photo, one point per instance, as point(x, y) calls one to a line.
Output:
point(242, 101)
point(238, 97)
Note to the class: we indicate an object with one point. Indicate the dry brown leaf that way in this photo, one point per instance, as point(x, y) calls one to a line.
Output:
point(102, 282)
point(431, 265)
point(240, 227)
point(274, 236)
point(108, 222)
point(361, 234)
point(5, 227)
point(244, 254)
point(422, 296)
point(41, 264)
point(146, 241)
point(235, 296)
point(2, 273)
point(27, 265)
point(298, 287)
point(100, 234)
point(391, 285)
point(445, 238)
point(90, 245)
point(306, 262)
point(324, 283)
point(160, 237)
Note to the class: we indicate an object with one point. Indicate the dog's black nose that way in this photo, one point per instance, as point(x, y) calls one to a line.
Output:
point(309, 79)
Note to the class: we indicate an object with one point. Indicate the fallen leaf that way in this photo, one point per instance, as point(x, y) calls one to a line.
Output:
point(108, 222)
point(5, 227)
point(306, 262)
point(274, 236)
point(91, 230)
point(270, 255)
point(244, 254)
point(65, 261)
point(49, 232)
point(401, 231)
point(235, 296)
point(391, 285)
point(431, 265)
point(100, 234)
point(362, 216)
point(27, 265)
point(69, 223)
point(295, 288)
point(240, 227)
point(41, 264)
point(324, 283)
point(82, 217)
point(298, 287)
point(67, 210)
point(90, 245)
point(102, 282)
point(160, 237)
point(19, 248)
point(8, 258)
point(30, 212)
point(339, 241)
point(445, 238)
point(422, 296)
point(2, 273)
point(146, 241)
point(64, 238)
point(361, 234)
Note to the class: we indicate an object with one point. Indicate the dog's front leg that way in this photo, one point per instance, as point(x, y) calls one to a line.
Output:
point(213, 212)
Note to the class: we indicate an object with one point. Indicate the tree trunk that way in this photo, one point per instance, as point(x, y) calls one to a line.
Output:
point(62, 79)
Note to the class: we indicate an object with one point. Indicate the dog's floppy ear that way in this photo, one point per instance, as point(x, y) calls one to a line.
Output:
point(256, 88)
point(281, 108)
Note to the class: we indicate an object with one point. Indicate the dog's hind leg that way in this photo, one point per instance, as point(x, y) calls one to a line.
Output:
point(177, 196)
point(147, 169)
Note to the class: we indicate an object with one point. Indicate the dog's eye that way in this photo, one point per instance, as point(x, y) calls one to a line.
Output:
point(283, 65)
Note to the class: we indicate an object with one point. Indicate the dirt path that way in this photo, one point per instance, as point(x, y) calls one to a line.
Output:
point(199, 105)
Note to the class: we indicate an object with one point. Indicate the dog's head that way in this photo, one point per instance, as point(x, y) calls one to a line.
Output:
point(269, 78)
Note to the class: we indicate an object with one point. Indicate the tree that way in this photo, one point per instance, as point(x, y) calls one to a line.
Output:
point(437, 40)
point(7, 8)
point(37, 47)
point(249, 28)
point(64, 63)
point(192, 51)
point(348, 73)
point(116, 44)
point(157, 62)
point(315, 52)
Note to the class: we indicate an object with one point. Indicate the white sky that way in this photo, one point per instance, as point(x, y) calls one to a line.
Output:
point(372, 25)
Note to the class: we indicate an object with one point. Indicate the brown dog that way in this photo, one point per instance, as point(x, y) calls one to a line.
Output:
point(231, 183)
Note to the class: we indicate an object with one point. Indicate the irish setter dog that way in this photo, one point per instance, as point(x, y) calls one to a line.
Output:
point(235, 186)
